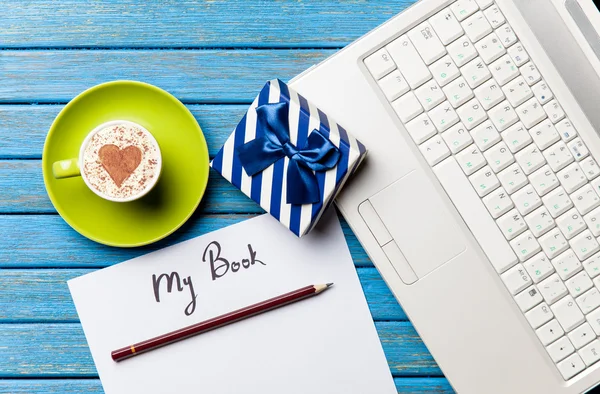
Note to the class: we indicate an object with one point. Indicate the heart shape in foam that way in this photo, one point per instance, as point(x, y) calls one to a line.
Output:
point(120, 163)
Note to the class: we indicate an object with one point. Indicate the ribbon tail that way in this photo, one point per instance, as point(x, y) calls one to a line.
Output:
point(258, 154)
point(302, 185)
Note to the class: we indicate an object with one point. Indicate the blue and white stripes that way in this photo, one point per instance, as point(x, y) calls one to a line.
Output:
point(268, 188)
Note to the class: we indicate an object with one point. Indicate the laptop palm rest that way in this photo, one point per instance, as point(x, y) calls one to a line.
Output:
point(421, 233)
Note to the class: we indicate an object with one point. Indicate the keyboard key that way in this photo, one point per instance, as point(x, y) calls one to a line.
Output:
point(476, 26)
point(434, 150)
point(380, 63)
point(558, 156)
point(579, 284)
point(539, 315)
point(498, 202)
point(430, 95)
point(530, 73)
point(554, 111)
point(557, 202)
point(516, 137)
point(566, 130)
point(485, 135)
point(470, 160)
point(526, 200)
point(407, 107)
point(582, 335)
point(462, 51)
point(553, 243)
point(589, 301)
point(427, 42)
point(464, 8)
point(531, 112)
point(593, 319)
point(571, 366)
point(484, 181)
point(570, 223)
point(490, 48)
point(494, 16)
point(560, 349)
point(471, 114)
point(592, 265)
point(539, 267)
point(516, 279)
point(572, 177)
point(512, 224)
point(552, 289)
point(473, 212)
point(590, 168)
point(421, 128)
point(585, 199)
point(443, 116)
point(512, 178)
point(542, 92)
point(504, 70)
point(458, 92)
point(503, 116)
point(539, 221)
point(483, 4)
point(530, 159)
point(567, 313)
point(518, 54)
point(475, 72)
point(489, 94)
point(544, 134)
point(444, 70)
point(446, 26)
point(517, 91)
point(578, 149)
point(591, 353)
point(528, 298)
point(415, 71)
point(544, 180)
point(506, 35)
point(549, 332)
point(592, 219)
point(499, 157)
point(566, 264)
point(393, 85)
point(584, 245)
point(457, 138)
point(525, 246)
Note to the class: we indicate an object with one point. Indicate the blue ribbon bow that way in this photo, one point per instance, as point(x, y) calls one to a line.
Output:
point(318, 154)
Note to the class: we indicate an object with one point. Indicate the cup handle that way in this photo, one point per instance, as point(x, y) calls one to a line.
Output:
point(66, 168)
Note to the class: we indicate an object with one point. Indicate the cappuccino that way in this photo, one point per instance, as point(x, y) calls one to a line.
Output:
point(121, 161)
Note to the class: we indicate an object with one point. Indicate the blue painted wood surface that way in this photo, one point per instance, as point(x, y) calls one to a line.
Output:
point(213, 55)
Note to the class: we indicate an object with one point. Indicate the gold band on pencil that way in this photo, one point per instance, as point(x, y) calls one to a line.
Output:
point(132, 349)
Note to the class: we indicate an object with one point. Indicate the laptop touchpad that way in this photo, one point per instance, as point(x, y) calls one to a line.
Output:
point(418, 220)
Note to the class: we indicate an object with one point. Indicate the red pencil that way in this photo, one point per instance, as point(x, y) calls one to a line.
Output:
point(219, 321)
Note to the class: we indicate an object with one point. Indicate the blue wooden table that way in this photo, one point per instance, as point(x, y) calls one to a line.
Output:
point(212, 55)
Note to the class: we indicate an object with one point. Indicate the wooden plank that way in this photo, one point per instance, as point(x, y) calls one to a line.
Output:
point(23, 128)
point(193, 76)
point(53, 350)
point(22, 191)
point(78, 386)
point(190, 23)
point(43, 296)
point(47, 241)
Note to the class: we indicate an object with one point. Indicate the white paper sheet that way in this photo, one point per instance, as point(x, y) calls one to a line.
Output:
point(326, 344)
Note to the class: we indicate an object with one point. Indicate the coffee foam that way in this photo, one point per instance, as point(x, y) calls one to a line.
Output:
point(122, 136)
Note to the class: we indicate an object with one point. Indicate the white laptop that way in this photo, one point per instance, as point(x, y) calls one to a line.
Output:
point(480, 199)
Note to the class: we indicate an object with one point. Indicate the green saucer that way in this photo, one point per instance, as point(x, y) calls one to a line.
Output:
point(184, 170)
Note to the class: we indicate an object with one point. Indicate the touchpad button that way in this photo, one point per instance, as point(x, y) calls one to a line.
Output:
point(420, 223)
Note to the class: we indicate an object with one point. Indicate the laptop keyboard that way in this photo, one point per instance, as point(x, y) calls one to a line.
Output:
point(504, 150)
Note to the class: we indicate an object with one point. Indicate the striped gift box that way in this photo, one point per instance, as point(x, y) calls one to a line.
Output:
point(268, 188)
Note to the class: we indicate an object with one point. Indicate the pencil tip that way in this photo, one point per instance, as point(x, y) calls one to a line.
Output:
point(329, 284)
